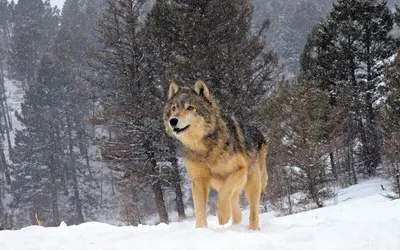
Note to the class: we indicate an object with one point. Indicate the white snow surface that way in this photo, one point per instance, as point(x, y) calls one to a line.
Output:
point(362, 219)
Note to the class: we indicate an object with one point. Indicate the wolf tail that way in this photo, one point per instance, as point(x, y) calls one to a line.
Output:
point(263, 166)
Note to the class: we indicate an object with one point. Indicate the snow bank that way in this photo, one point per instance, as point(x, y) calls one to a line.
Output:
point(363, 219)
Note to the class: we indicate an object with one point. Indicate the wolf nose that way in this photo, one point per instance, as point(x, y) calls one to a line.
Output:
point(173, 121)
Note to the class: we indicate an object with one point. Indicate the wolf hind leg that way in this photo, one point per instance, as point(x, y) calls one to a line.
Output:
point(253, 195)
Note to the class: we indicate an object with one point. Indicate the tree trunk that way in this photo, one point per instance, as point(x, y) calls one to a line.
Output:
point(350, 165)
point(354, 173)
point(64, 182)
point(83, 143)
point(112, 183)
point(4, 111)
point(159, 199)
point(4, 164)
point(312, 187)
point(370, 146)
point(87, 157)
point(289, 193)
point(372, 137)
point(53, 191)
point(333, 166)
point(155, 184)
point(180, 207)
point(77, 200)
point(1, 194)
point(3, 157)
point(136, 215)
point(10, 124)
point(398, 182)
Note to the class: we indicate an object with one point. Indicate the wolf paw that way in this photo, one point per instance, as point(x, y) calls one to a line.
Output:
point(201, 225)
point(224, 210)
point(223, 218)
point(236, 217)
point(254, 224)
point(254, 227)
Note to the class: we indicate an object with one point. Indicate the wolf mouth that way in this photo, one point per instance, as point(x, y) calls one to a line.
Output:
point(180, 130)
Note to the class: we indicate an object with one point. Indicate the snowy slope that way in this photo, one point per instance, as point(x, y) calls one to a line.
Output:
point(363, 219)
point(15, 96)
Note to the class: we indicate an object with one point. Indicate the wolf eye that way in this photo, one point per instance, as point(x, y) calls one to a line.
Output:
point(173, 109)
point(190, 108)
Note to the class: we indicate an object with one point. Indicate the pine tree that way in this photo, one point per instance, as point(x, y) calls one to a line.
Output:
point(397, 16)
point(34, 24)
point(186, 40)
point(71, 41)
point(343, 55)
point(291, 21)
point(390, 125)
point(47, 163)
point(298, 146)
point(5, 19)
point(59, 77)
point(39, 145)
point(212, 40)
point(71, 47)
point(5, 124)
point(131, 105)
point(154, 68)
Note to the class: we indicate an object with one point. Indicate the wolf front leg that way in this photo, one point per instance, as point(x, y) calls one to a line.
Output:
point(200, 176)
point(200, 190)
point(233, 184)
point(236, 213)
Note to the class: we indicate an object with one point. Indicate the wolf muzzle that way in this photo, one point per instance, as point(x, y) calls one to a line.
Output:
point(174, 122)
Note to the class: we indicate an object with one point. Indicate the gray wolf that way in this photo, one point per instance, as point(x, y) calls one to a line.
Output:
point(219, 152)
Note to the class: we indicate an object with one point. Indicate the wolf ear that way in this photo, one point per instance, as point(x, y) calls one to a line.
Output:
point(201, 89)
point(173, 88)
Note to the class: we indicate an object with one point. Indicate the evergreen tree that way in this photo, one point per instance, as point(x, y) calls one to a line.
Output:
point(71, 46)
point(391, 125)
point(39, 145)
point(131, 105)
point(344, 55)
point(47, 163)
point(186, 40)
point(59, 175)
point(298, 147)
point(211, 40)
point(34, 24)
point(397, 16)
point(5, 18)
point(71, 40)
point(291, 21)
point(5, 124)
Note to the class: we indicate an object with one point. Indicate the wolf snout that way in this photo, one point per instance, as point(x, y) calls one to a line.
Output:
point(173, 122)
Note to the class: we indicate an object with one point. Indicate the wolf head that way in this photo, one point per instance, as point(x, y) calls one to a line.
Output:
point(190, 114)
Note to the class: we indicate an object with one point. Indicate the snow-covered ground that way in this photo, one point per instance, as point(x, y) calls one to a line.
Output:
point(362, 219)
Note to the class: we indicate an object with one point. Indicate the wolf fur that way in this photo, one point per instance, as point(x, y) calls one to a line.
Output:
point(219, 153)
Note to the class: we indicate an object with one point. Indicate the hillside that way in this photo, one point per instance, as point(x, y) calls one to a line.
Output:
point(362, 219)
